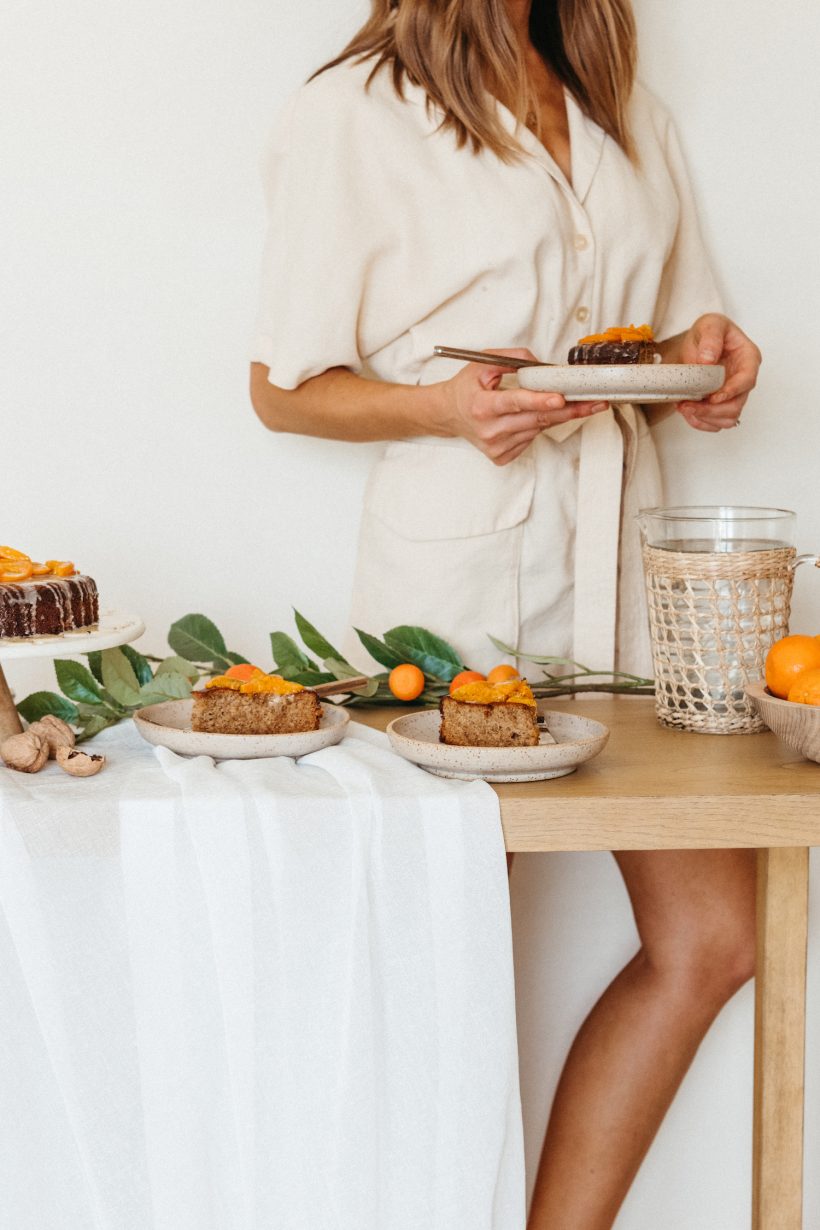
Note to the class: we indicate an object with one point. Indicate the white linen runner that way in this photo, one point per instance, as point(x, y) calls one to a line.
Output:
point(256, 995)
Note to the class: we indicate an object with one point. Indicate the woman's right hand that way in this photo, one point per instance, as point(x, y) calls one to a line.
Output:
point(502, 423)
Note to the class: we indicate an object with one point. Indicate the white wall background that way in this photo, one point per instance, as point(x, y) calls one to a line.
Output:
point(130, 232)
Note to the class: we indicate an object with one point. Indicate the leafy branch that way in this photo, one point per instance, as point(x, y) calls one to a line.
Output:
point(118, 682)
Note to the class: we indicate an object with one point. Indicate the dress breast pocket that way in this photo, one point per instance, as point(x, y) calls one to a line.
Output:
point(440, 545)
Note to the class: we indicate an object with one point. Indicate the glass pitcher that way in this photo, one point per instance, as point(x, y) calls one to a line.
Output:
point(719, 586)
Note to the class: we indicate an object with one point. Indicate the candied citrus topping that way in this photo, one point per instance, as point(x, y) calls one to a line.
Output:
point(243, 671)
point(271, 683)
point(222, 681)
point(260, 682)
point(15, 566)
point(620, 333)
point(515, 692)
point(15, 569)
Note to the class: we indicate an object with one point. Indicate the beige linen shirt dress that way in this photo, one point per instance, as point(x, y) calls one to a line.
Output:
point(384, 240)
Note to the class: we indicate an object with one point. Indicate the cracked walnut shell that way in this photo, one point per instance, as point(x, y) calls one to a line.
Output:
point(79, 764)
point(55, 731)
point(26, 752)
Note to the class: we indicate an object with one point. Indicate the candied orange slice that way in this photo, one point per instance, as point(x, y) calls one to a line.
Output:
point(15, 570)
point(222, 681)
point(10, 554)
point(39, 570)
point(270, 683)
point(61, 567)
point(243, 671)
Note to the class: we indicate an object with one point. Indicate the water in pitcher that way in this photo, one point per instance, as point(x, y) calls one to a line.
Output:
point(721, 546)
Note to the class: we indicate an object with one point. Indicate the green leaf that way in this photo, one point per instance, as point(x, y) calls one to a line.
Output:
point(539, 659)
point(316, 643)
point(177, 666)
point(38, 704)
point(341, 671)
point(287, 655)
point(95, 663)
point(141, 665)
point(100, 710)
point(429, 652)
point(236, 658)
point(77, 682)
point(310, 678)
point(119, 677)
point(91, 726)
point(378, 650)
point(196, 638)
point(171, 685)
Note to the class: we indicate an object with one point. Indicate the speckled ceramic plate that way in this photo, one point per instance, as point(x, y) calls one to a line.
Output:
point(573, 740)
point(639, 382)
point(169, 725)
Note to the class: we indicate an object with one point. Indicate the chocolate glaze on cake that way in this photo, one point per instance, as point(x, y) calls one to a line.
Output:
point(47, 606)
point(613, 352)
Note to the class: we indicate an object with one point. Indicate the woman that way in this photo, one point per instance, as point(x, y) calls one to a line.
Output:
point(485, 172)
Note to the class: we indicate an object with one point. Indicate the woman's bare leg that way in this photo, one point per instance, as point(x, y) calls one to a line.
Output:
point(695, 913)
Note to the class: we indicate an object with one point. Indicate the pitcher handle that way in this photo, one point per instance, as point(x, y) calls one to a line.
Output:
point(805, 559)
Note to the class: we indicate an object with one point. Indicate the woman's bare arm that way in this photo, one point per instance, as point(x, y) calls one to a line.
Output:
point(339, 405)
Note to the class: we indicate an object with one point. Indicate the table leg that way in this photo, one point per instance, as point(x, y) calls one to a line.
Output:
point(10, 723)
point(780, 1027)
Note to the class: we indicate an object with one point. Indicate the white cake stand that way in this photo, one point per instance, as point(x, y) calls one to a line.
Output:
point(113, 628)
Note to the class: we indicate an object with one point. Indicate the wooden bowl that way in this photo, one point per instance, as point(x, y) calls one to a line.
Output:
point(797, 725)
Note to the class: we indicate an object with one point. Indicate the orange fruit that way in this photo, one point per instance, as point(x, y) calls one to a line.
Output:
point(15, 570)
point(787, 659)
point(806, 688)
point(243, 671)
point(406, 682)
point(463, 677)
point(503, 673)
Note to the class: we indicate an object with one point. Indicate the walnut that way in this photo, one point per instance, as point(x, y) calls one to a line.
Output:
point(55, 731)
point(79, 764)
point(27, 752)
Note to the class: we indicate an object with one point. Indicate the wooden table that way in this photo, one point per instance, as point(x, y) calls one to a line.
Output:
point(658, 789)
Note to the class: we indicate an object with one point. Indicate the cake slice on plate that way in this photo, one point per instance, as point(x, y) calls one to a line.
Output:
point(246, 701)
point(490, 715)
point(619, 345)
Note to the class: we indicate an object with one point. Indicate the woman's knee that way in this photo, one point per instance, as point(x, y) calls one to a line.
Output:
point(695, 912)
point(710, 960)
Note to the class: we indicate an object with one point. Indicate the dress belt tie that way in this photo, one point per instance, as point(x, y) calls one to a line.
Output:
point(600, 483)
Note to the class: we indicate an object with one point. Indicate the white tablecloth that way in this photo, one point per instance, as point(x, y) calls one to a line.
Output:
point(259, 995)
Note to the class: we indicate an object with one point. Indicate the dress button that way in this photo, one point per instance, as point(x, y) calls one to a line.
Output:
point(582, 314)
point(580, 242)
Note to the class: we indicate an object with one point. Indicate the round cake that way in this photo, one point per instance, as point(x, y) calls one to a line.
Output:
point(44, 599)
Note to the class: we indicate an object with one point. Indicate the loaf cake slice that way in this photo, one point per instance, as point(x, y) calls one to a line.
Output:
point(490, 715)
point(261, 705)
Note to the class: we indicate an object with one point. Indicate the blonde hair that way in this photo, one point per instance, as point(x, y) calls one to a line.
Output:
point(463, 53)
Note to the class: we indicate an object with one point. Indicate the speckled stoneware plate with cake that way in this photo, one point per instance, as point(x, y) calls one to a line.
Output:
point(168, 724)
point(635, 382)
point(566, 743)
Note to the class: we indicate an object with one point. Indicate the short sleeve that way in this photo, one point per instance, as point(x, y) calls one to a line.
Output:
point(321, 236)
point(687, 288)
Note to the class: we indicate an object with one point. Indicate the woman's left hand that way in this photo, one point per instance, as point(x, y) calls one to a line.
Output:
point(716, 339)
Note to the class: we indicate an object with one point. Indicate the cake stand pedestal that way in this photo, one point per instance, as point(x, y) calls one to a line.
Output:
point(113, 629)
